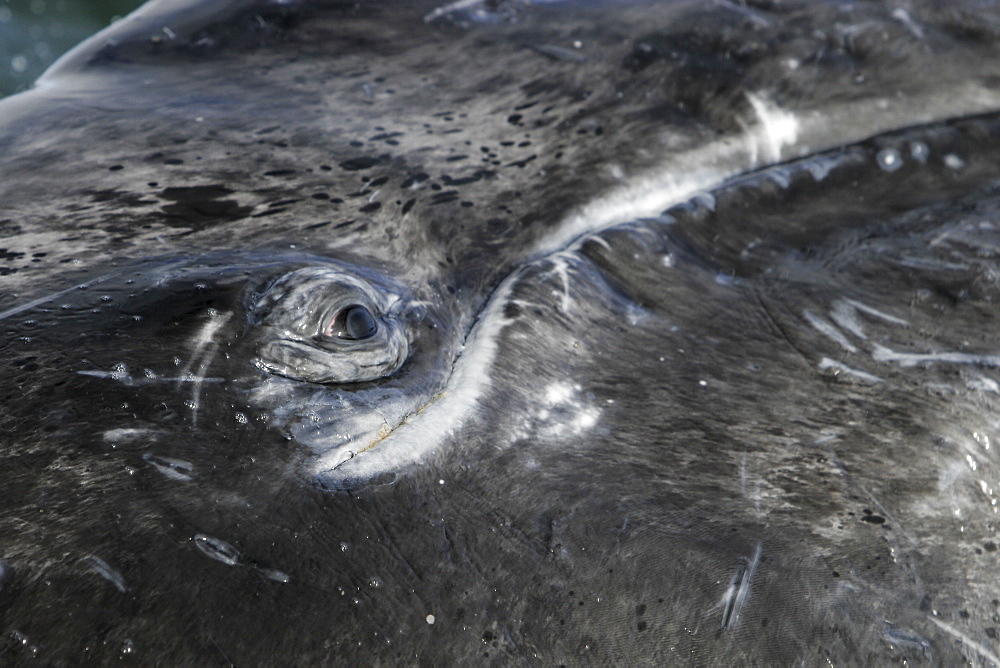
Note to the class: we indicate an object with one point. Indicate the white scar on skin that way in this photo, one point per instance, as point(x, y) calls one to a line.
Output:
point(839, 367)
point(55, 295)
point(203, 341)
point(829, 331)
point(883, 354)
point(981, 649)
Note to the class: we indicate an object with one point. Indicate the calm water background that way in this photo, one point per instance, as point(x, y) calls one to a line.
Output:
point(33, 33)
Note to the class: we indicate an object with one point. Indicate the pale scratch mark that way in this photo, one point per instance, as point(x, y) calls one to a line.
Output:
point(561, 268)
point(865, 308)
point(829, 331)
point(130, 381)
point(204, 341)
point(780, 128)
point(745, 483)
point(839, 367)
point(739, 588)
point(451, 7)
point(55, 295)
point(845, 314)
point(904, 17)
point(752, 15)
point(983, 650)
point(883, 354)
point(101, 567)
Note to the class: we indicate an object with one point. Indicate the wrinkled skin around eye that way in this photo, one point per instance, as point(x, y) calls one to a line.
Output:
point(321, 325)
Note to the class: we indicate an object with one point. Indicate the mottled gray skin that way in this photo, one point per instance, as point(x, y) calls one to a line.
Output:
point(758, 428)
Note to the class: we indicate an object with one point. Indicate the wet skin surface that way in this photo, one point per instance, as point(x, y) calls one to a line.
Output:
point(401, 333)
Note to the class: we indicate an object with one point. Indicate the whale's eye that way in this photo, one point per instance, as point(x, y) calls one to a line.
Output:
point(353, 323)
point(321, 325)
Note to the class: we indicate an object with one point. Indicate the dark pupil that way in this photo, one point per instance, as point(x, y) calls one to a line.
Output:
point(358, 323)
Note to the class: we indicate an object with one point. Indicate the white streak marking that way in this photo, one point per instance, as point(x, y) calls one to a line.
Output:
point(846, 315)
point(876, 313)
point(829, 331)
point(882, 354)
point(983, 650)
point(780, 128)
point(739, 588)
point(451, 7)
point(55, 295)
point(904, 17)
point(827, 363)
point(102, 568)
point(205, 336)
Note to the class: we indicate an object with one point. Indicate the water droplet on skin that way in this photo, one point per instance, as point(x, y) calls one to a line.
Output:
point(374, 582)
point(128, 646)
point(430, 619)
point(241, 418)
point(919, 151)
point(952, 161)
point(889, 159)
point(344, 547)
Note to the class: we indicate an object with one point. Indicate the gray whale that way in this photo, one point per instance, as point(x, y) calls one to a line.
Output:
point(554, 332)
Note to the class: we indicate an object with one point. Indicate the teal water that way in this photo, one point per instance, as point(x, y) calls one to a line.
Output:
point(33, 33)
